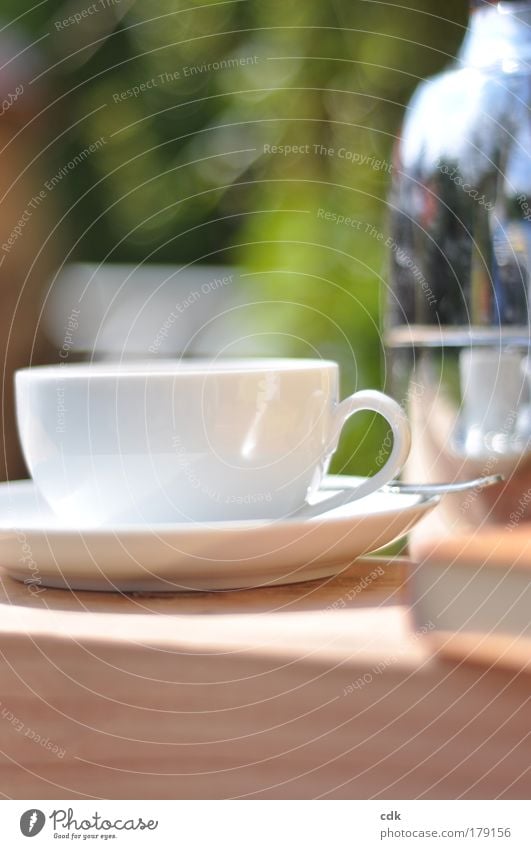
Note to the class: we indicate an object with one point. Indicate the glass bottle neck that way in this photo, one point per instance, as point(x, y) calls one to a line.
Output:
point(499, 34)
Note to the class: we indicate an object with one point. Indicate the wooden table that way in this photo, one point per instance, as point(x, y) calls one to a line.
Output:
point(313, 690)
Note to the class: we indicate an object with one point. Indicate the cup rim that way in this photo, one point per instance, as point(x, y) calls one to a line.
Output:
point(173, 368)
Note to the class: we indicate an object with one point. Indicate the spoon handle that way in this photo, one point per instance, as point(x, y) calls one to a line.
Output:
point(334, 482)
point(346, 492)
point(442, 488)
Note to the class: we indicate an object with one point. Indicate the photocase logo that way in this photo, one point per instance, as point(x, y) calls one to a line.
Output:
point(32, 822)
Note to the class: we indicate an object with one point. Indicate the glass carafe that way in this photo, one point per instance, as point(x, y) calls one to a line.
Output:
point(457, 324)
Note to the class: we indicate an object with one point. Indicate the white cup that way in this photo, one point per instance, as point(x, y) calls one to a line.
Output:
point(189, 441)
point(492, 390)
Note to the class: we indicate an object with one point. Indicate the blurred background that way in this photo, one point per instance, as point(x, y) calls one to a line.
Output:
point(205, 178)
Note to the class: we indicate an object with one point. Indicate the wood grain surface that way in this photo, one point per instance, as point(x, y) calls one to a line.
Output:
point(316, 690)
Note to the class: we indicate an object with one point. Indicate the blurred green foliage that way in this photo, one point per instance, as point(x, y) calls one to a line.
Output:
point(185, 176)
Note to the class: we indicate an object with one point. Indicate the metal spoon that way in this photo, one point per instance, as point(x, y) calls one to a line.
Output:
point(347, 492)
point(440, 488)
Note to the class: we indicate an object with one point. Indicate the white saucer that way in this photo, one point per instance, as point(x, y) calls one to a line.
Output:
point(42, 550)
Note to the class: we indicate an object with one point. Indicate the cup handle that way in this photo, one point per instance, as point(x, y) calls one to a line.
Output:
point(368, 399)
